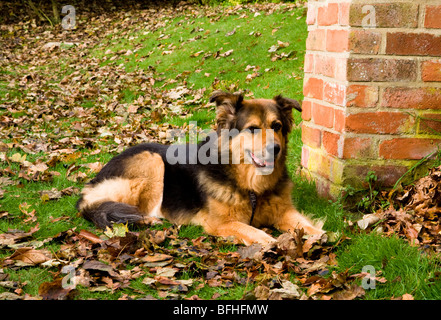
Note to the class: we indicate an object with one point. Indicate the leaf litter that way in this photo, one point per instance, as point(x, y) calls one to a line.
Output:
point(78, 107)
point(293, 267)
point(413, 213)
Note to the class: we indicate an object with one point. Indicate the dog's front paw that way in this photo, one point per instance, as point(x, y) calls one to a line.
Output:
point(313, 230)
point(261, 238)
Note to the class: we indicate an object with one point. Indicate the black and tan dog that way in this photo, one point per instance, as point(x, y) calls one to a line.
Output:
point(230, 198)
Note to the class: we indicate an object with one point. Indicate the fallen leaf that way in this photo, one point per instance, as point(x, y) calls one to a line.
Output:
point(52, 194)
point(30, 256)
point(226, 53)
point(289, 291)
point(407, 296)
point(54, 290)
point(368, 220)
point(230, 33)
point(117, 230)
point(248, 252)
point(354, 291)
point(166, 272)
point(90, 236)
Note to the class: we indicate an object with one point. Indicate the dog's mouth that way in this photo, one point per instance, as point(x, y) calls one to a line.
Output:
point(261, 163)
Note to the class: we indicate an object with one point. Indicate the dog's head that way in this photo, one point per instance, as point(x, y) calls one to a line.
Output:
point(260, 128)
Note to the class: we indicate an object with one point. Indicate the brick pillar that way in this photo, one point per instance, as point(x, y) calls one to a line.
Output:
point(372, 90)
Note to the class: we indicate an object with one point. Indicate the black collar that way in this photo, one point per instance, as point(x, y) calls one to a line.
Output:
point(253, 201)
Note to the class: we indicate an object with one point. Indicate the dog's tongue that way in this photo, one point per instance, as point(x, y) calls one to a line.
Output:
point(257, 161)
point(260, 162)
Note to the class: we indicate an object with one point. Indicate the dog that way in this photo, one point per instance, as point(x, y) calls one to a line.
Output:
point(230, 186)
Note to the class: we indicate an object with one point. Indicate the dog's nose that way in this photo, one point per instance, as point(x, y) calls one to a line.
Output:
point(273, 149)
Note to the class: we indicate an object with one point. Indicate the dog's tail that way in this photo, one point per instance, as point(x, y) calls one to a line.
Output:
point(106, 213)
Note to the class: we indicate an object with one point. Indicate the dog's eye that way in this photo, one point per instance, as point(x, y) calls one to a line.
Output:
point(276, 126)
point(253, 129)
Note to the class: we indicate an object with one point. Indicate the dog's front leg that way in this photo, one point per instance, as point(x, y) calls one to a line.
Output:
point(231, 228)
point(292, 219)
point(224, 220)
point(243, 232)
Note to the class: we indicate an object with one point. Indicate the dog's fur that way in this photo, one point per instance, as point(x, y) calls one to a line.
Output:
point(140, 184)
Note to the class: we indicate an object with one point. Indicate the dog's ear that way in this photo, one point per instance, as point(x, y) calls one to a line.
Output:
point(286, 105)
point(227, 106)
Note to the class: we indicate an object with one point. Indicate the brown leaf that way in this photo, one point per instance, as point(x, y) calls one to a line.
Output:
point(262, 292)
point(30, 256)
point(368, 220)
point(407, 296)
point(90, 236)
point(52, 194)
point(15, 236)
point(354, 291)
point(157, 260)
point(54, 290)
point(248, 252)
point(289, 291)
point(100, 266)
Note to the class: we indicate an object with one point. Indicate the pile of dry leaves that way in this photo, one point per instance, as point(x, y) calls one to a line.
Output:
point(295, 267)
point(415, 213)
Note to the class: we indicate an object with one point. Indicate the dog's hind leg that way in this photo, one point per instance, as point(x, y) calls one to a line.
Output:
point(110, 201)
point(147, 171)
point(131, 198)
point(109, 212)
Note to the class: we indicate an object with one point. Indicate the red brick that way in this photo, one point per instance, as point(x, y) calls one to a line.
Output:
point(339, 120)
point(306, 110)
point(412, 98)
point(305, 156)
point(431, 70)
point(323, 187)
point(364, 41)
point(387, 15)
point(408, 148)
point(343, 13)
point(334, 93)
point(403, 43)
point(309, 63)
point(323, 168)
point(381, 69)
point(313, 88)
point(433, 17)
point(323, 115)
point(387, 174)
point(311, 136)
point(311, 13)
point(327, 15)
point(341, 68)
point(337, 40)
point(430, 123)
point(362, 96)
point(358, 148)
point(324, 65)
point(379, 122)
point(316, 40)
point(331, 142)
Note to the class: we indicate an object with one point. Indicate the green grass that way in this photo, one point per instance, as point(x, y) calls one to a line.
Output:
point(201, 70)
point(203, 119)
point(406, 269)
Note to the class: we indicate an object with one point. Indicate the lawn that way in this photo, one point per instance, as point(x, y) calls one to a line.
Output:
point(126, 77)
